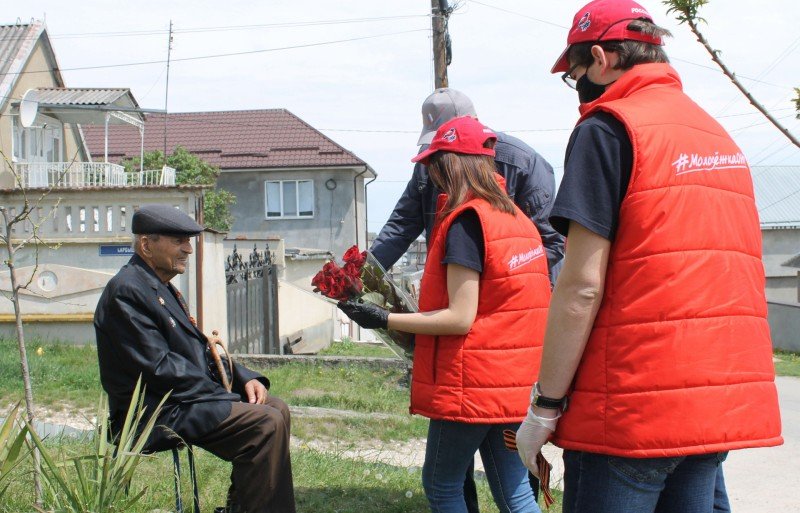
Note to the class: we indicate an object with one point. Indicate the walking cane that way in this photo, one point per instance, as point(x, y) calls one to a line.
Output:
point(213, 342)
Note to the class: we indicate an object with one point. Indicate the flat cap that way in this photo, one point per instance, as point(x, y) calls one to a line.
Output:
point(163, 219)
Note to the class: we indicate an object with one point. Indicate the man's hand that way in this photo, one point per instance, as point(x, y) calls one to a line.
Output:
point(531, 436)
point(366, 315)
point(256, 392)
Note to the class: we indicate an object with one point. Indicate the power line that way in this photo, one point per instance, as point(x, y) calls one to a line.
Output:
point(226, 28)
point(222, 28)
point(216, 56)
point(519, 14)
point(671, 58)
point(785, 53)
point(751, 79)
point(174, 118)
point(756, 113)
point(759, 123)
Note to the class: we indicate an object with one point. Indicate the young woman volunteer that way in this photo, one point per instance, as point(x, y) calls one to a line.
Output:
point(483, 306)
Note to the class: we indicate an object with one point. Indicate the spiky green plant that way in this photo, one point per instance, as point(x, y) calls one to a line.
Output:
point(99, 481)
point(12, 447)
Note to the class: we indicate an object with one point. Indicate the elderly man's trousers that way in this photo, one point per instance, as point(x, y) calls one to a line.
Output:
point(255, 438)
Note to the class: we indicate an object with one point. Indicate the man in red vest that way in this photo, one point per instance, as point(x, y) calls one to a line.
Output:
point(657, 357)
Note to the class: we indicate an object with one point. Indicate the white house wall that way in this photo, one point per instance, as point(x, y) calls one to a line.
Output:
point(71, 265)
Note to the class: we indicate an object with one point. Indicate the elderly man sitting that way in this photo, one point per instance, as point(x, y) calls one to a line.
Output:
point(143, 328)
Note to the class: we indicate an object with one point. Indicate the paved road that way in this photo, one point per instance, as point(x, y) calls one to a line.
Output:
point(767, 480)
point(758, 480)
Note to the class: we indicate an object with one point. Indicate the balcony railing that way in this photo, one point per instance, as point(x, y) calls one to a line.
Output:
point(88, 174)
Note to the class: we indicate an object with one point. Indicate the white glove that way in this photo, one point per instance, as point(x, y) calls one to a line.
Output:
point(531, 436)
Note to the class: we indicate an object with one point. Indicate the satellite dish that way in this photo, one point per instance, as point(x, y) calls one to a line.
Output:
point(28, 108)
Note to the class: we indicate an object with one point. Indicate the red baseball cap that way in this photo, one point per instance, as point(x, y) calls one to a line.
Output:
point(459, 135)
point(604, 20)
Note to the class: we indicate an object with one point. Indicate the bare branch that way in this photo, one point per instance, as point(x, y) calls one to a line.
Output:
point(686, 12)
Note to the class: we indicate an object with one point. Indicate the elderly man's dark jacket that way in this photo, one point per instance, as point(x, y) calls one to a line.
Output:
point(142, 329)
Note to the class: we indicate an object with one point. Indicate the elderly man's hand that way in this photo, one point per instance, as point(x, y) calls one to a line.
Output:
point(531, 436)
point(256, 392)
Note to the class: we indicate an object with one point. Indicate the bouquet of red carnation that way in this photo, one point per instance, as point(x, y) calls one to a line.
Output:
point(362, 277)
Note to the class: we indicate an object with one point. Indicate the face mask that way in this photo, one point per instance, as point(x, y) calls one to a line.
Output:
point(588, 91)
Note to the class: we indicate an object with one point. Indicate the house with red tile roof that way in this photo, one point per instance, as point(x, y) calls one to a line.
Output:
point(290, 180)
point(79, 208)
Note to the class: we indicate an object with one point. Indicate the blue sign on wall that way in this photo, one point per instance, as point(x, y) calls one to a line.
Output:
point(116, 250)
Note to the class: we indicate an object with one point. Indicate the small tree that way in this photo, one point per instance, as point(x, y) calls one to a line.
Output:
point(686, 12)
point(192, 170)
point(29, 224)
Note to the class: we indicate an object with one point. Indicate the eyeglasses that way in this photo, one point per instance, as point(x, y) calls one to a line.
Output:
point(567, 77)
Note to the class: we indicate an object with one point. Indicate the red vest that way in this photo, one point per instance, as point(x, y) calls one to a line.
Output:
point(679, 360)
point(486, 375)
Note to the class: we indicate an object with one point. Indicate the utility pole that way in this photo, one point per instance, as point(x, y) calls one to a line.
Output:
point(441, 41)
point(166, 92)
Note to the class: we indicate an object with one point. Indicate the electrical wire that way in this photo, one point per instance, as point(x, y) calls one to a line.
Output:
point(176, 117)
point(221, 55)
point(518, 14)
point(785, 53)
point(226, 28)
point(713, 68)
point(671, 58)
point(740, 129)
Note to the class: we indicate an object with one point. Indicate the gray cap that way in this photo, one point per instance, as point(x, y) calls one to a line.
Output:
point(440, 107)
point(163, 219)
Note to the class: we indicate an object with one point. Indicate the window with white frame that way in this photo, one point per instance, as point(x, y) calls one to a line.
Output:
point(289, 198)
point(37, 143)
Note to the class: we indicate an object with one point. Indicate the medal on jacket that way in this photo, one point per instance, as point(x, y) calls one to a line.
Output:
point(161, 301)
point(172, 322)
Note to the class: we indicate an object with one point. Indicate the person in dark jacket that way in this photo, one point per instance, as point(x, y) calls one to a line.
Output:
point(529, 182)
point(144, 329)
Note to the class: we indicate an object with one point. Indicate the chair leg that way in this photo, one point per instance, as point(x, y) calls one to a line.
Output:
point(176, 460)
point(193, 474)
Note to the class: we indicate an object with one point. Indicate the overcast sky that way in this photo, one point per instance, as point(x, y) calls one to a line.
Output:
point(366, 93)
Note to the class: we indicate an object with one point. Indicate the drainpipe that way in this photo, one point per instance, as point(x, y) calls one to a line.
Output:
point(105, 142)
point(355, 198)
point(141, 149)
point(366, 210)
point(198, 213)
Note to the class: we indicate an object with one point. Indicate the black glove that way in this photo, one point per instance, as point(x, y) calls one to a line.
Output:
point(366, 315)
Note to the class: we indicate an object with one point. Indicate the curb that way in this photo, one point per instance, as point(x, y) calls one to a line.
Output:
point(274, 360)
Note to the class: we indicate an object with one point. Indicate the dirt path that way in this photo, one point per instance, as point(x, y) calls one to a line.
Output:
point(409, 454)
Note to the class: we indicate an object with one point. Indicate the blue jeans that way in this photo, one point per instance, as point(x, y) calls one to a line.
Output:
point(451, 448)
point(604, 484)
point(721, 504)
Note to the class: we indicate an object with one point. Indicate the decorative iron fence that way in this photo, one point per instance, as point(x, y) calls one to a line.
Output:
point(252, 299)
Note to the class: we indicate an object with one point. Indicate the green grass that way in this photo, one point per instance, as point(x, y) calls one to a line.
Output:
point(63, 375)
point(324, 483)
point(349, 348)
point(66, 376)
point(348, 388)
point(789, 364)
point(351, 388)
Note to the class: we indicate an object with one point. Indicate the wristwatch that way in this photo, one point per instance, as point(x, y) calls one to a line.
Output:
point(548, 402)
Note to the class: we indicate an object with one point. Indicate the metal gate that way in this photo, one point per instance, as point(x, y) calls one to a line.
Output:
point(252, 297)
